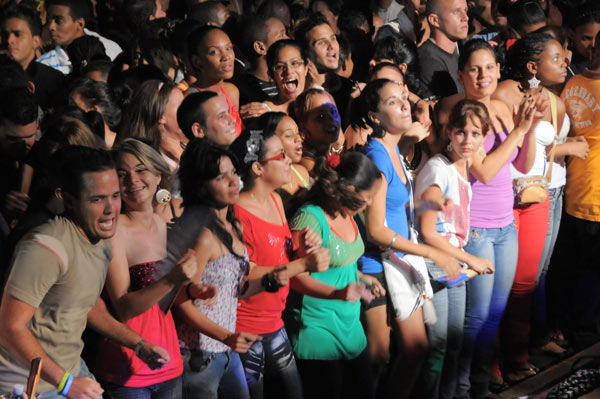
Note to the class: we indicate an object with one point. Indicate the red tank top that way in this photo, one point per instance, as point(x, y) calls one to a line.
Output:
point(268, 245)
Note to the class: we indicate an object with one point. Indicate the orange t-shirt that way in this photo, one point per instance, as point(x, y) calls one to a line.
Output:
point(582, 194)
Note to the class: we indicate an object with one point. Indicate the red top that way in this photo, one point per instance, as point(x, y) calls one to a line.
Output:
point(119, 365)
point(268, 245)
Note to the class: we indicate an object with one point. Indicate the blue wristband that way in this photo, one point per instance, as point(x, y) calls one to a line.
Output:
point(65, 390)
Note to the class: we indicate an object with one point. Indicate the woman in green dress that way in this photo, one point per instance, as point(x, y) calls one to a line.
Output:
point(324, 324)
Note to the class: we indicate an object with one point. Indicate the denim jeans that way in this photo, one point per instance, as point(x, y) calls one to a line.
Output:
point(208, 375)
point(540, 315)
point(486, 300)
point(445, 341)
point(171, 389)
point(270, 368)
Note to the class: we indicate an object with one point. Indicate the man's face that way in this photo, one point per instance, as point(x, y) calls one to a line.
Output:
point(219, 125)
point(63, 28)
point(584, 38)
point(98, 206)
point(17, 140)
point(275, 31)
point(453, 20)
point(18, 40)
point(324, 47)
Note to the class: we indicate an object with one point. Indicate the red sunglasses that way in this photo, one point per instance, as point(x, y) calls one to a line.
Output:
point(278, 157)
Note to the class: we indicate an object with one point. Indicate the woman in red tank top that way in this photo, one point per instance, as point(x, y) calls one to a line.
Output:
point(269, 365)
point(139, 242)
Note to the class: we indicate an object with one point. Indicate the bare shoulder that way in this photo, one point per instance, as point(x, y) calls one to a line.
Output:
point(233, 92)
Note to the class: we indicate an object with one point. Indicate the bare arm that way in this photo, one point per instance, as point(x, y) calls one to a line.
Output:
point(433, 238)
point(128, 304)
point(18, 340)
point(100, 320)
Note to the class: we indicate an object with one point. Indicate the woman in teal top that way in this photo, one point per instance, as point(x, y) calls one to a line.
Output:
point(325, 329)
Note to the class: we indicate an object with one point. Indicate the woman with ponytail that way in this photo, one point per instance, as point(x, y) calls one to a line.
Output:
point(324, 325)
point(269, 364)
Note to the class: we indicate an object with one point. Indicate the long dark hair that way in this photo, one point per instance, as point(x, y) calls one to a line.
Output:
point(198, 166)
point(331, 190)
point(368, 102)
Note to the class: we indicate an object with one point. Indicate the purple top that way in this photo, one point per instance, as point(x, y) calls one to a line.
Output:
point(492, 203)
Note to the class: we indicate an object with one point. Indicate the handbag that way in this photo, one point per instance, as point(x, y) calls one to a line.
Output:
point(408, 284)
point(407, 278)
point(534, 189)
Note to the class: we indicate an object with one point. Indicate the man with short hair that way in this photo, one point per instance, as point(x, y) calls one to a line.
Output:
point(260, 33)
point(206, 115)
point(210, 13)
point(438, 56)
point(19, 127)
point(318, 39)
point(66, 21)
point(573, 275)
point(21, 35)
point(58, 272)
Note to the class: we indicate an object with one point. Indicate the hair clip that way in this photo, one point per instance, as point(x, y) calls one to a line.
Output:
point(253, 145)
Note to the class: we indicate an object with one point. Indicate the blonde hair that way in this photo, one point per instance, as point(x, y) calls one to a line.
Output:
point(148, 156)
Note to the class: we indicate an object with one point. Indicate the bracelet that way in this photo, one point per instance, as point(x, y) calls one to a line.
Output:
point(68, 384)
point(63, 381)
point(392, 243)
point(139, 346)
point(269, 284)
point(188, 291)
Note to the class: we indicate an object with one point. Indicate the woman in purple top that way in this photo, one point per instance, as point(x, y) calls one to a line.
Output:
point(493, 234)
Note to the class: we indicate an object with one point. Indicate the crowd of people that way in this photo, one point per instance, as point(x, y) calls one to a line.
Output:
point(296, 199)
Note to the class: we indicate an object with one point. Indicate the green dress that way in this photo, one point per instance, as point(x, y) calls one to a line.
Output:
point(327, 329)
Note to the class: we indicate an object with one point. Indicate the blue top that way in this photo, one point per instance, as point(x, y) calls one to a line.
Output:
point(397, 197)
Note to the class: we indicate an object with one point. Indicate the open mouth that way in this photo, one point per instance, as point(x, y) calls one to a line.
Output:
point(298, 150)
point(291, 85)
point(107, 224)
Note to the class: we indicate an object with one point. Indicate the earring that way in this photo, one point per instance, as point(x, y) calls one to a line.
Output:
point(449, 147)
point(534, 82)
point(163, 196)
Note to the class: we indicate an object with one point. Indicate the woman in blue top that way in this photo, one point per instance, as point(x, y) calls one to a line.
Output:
point(384, 106)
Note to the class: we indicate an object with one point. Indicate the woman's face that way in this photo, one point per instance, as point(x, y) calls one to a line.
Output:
point(322, 125)
point(390, 74)
point(480, 74)
point(393, 110)
point(288, 132)
point(368, 194)
point(289, 73)
point(275, 163)
point(215, 59)
point(225, 188)
point(552, 67)
point(170, 115)
point(467, 140)
point(136, 182)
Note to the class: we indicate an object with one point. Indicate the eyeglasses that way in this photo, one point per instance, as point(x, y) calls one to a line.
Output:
point(278, 157)
point(293, 64)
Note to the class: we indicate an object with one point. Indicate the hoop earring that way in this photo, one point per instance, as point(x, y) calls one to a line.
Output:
point(534, 82)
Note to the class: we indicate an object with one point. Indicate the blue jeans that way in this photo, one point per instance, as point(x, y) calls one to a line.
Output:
point(171, 389)
point(540, 319)
point(270, 368)
point(445, 341)
point(486, 300)
point(208, 375)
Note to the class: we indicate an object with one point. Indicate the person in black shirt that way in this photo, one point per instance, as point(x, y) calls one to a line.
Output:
point(21, 30)
point(439, 55)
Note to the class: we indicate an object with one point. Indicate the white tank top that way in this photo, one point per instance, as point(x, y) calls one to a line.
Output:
point(544, 136)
